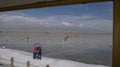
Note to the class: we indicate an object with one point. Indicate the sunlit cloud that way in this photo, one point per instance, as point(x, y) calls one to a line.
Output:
point(67, 23)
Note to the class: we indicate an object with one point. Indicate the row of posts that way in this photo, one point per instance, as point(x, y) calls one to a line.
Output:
point(28, 63)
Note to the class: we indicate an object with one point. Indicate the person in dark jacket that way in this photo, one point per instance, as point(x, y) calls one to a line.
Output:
point(39, 53)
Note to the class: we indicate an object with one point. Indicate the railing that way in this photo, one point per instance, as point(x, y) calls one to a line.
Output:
point(12, 63)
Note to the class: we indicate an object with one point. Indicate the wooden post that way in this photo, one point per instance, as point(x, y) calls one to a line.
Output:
point(12, 62)
point(116, 34)
point(0, 61)
point(28, 63)
point(47, 65)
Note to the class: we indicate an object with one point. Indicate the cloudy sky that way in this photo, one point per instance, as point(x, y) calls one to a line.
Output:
point(80, 17)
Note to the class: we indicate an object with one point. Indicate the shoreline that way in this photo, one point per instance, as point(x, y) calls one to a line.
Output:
point(25, 56)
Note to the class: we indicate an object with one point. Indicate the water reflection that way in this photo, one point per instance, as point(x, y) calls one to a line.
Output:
point(88, 48)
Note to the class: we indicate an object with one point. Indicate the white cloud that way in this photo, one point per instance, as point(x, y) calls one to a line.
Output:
point(58, 21)
point(81, 24)
point(87, 17)
point(67, 23)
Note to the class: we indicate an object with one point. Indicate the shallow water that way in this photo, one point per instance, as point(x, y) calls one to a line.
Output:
point(88, 48)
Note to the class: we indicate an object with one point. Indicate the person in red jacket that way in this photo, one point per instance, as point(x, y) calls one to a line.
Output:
point(35, 51)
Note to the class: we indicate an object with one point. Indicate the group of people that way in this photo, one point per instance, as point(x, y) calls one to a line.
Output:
point(37, 52)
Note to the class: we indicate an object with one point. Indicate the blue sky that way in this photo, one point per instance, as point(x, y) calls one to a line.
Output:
point(89, 17)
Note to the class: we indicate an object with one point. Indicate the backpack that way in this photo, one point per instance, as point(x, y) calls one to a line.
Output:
point(39, 49)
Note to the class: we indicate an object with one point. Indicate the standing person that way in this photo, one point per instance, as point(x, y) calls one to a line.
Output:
point(35, 51)
point(39, 54)
point(66, 38)
point(39, 50)
point(27, 42)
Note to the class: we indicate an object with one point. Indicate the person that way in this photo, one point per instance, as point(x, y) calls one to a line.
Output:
point(65, 39)
point(39, 53)
point(35, 51)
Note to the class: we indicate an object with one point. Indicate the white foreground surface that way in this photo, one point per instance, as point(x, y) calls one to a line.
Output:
point(21, 58)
